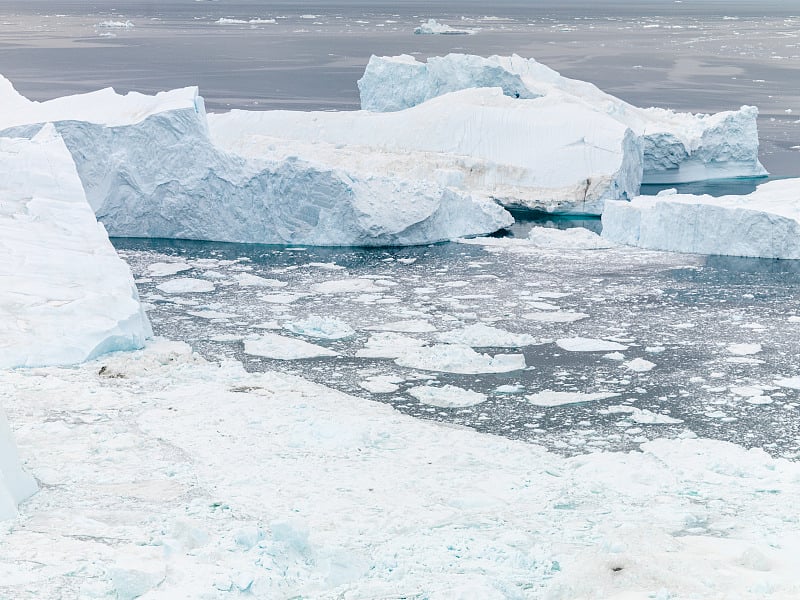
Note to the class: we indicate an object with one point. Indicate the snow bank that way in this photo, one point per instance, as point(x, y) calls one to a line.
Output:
point(551, 154)
point(765, 223)
point(678, 147)
point(66, 296)
point(150, 169)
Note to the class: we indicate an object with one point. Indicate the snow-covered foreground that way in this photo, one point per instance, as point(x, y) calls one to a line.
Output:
point(166, 476)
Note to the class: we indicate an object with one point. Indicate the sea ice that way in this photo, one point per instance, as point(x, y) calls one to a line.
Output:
point(581, 344)
point(573, 238)
point(163, 269)
point(407, 326)
point(744, 349)
point(480, 335)
point(433, 27)
point(677, 147)
point(389, 345)
point(446, 396)
point(381, 384)
point(250, 280)
point(272, 345)
point(639, 365)
point(15, 484)
point(186, 285)
point(324, 328)
point(453, 358)
point(765, 223)
point(551, 398)
point(65, 295)
point(555, 316)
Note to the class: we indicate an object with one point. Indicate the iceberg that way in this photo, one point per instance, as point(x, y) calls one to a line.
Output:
point(551, 154)
point(150, 169)
point(678, 147)
point(433, 27)
point(66, 296)
point(763, 224)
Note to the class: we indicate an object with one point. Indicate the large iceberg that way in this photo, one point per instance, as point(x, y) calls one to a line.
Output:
point(763, 224)
point(150, 169)
point(66, 296)
point(678, 147)
point(552, 154)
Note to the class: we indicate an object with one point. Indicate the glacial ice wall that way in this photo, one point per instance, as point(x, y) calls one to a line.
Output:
point(541, 153)
point(150, 170)
point(678, 147)
point(765, 223)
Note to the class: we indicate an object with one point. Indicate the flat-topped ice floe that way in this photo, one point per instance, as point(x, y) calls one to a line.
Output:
point(66, 296)
point(555, 154)
point(678, 147)
point(765, 223)
point(149, 169)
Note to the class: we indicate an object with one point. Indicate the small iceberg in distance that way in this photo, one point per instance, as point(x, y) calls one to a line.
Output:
point(433, 27)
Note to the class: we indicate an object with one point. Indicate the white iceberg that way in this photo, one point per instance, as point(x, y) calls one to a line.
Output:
point(556, 154)
point(66, 296)
point(150, 169)
point(433, 27)
point(678, 147)
point(765, 223)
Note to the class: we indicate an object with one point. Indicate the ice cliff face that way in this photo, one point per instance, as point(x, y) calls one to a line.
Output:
point(678, 147)
point(66, 295)
point(541, 153)
point(763, 224)
point(150, 170)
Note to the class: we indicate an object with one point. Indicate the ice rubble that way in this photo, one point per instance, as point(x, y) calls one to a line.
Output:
point(765, 223)
point(150, 169)
point(66, 296)
point(678, 147)
point(476, 140)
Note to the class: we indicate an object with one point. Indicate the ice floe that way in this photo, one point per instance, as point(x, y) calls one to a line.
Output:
point(324, 328)
point(480, 335)
point(433, 27)
point(453, 358)
point(582, 344)
point(552, 398)
point(279, 347)
point(186, 285)
point(446, 396)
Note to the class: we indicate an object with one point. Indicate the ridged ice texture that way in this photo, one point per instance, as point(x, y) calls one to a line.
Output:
point(763, 224)
point(550, 154)
point(155, 173)
point(66, 296)
point(678, 147)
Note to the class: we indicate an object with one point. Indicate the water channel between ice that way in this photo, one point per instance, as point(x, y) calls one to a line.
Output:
point(722, 332)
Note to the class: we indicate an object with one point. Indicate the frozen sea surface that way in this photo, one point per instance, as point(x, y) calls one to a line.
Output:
point(648, 343)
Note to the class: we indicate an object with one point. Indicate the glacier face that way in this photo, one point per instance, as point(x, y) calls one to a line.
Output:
point(678, 147)
point(542, 153)
point(150, 170)
point(66, 295)
point(765, 223)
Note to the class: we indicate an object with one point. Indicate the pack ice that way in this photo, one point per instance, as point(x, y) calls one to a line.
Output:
point(678, 147)
point(150, 169)
point(765, 223)
point(552, 154)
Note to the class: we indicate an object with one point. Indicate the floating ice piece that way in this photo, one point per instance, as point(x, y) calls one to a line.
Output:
point(249, 280)
point(65, 295)
point(389, 345)
point(186, 285)
point(255, 21)
point(582, 344)
point(451, 358)
point(551, 398)
point(381, 384)
point(677, 147)
point(743, 349)
point(573, 238)
point(150, 169)
point(789, 382)
point(640, 365)
point(581, 157)
point(446, 396)
point(211, 314)
point(15, 484)
point(117, 24)
point(325, 328)
point(555, 316)
point(408, 326)
point(162, 269)
point(765, 223)
point(480, 335)
point(433, 27)
point(642, 416)
point(346, 286)
point(271, 345)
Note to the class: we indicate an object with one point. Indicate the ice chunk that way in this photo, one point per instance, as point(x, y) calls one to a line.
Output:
point(555, 317)
point(389, 345)
point(551, 398)
point(346, 286)
point(573, 238)
point(65, 295)
point(325, 328)
point(446, 396)
point(381, 384)
point(272, 345)
point(640, 365)
point(408, 326)
point(15, 484)
point(186, 285)
point(150, 169)
point(643, 416)
point(452, 358)
point(765, 223)
point(163, 269)
point(743, 349)
point(433, 27)
point(477, 141)
point(678, 147)
point(484, 336)
point(250, 280)
point(581, 344)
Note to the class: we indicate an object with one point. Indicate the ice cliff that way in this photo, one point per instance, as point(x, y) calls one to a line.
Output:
point(549, 153)
point(150, 169)
point(678, 147)
point(763, 224)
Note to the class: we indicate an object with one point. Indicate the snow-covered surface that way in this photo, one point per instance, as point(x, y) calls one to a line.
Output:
point(65, 295)
point(149, 169)
point(473, 140)
point(678, 147)
point(212, 482)
point(765, 223)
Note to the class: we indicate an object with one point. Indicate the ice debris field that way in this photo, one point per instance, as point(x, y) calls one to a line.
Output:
point(548, 414)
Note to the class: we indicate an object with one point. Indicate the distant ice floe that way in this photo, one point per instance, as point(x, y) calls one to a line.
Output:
point(446, 396)
point(765, 223)
point(117, 24)
point(254, 21)
point(433, 27)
